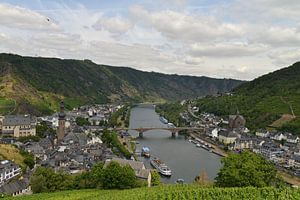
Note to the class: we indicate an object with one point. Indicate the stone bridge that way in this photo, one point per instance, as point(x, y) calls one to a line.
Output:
point(173, 130)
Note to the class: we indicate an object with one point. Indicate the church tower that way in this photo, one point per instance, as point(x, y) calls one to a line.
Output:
point(61, 123)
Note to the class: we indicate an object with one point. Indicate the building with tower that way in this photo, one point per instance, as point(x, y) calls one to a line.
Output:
point(61, 123)
point(236, 121)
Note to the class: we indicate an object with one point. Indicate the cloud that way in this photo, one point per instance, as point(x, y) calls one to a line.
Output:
point(276, 36)
point(182, 26)
point(21, 18)
point(285, 57)
point(113, 25)
point(238, 39)
point(226, 50)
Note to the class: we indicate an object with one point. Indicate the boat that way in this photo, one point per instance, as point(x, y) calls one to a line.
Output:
point(198, 145)
point(145, 152)
point(171, 125)
point(179, 181)
point(204, 147)
point(163, 120)
point(161, 167)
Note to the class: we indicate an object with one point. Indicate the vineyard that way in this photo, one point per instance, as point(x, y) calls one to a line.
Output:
point(172, 192)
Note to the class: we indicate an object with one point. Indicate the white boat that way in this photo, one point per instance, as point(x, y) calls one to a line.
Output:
point(145, 152)
point(198, 145)
point(161, 167)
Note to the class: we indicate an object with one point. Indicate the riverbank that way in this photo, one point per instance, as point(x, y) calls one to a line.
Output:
point(290, 179)
point(216, 149)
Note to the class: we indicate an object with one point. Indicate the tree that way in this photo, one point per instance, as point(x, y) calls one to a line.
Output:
point(80, 121)
point(155, 178)
point(97, 174)
point(46, 180)
point(247, 169)
point(117, 177)
point(38, 184)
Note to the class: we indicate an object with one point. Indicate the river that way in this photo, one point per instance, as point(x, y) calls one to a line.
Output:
point(184, 158)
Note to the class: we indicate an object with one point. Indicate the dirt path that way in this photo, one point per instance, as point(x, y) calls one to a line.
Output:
point(289, 178)
point(191, 112)
point(291, 108)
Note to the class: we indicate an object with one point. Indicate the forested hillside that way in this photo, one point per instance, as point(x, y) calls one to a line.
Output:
point(272, 100)
point(38, 84)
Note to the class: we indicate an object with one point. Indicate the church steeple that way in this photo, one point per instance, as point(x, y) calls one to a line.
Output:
point(61, 123)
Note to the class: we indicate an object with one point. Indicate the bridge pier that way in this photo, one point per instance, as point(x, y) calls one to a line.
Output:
point(173, 134)
point(140, 134)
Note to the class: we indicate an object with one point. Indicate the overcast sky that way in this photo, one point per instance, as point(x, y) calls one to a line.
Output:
point(240, 39)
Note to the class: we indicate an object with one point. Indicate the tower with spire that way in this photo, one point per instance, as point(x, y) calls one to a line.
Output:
point(61, 123)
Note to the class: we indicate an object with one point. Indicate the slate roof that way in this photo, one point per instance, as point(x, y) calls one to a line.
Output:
point(134, 164)
point(143, 173)
point(12, 120)
point(226, 133)
point(7, 165)
point(14, 186)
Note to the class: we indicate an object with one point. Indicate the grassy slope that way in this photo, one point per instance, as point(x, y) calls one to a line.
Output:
point(9, 152)
point(172, 192)
point(6, 105)
point(263, 100)
point(37, 84)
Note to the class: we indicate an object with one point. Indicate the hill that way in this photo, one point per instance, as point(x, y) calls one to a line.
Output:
point(36, 84)
point(270, 101)
point(172, 192)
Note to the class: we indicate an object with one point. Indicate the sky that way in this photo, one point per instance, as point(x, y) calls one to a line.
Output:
point(240, 39)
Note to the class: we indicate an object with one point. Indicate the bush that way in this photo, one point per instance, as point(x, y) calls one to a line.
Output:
point(117, 177)
point(247, 169)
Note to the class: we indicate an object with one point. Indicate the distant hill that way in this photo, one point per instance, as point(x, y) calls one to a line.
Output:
point(272, 100)
point(36, 85)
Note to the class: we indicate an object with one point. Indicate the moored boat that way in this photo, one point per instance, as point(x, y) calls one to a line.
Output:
point(163, 120)
point(161, 167)
point(145, 152)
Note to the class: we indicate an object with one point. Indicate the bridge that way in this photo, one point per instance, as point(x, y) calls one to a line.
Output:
point(173, 130)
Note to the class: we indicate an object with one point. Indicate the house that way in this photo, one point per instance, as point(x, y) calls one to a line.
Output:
point(262, 133)
point(8, 170)
point(278, 136)
point(292, 138)
point(35, 149)
point(245, 142)
point(16, 188)
point(18, 125)
point(214, 132)
point(140, 170)
point(270, 150)
point(236, 121)
point(227, 137)
point(294, 161)
point(96, 120)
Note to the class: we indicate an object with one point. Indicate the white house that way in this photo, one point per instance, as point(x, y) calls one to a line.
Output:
point(227, 137)
point(8, 170)
point(262, 133)
point(292, 138)
point(214, 132)
point(278, 136)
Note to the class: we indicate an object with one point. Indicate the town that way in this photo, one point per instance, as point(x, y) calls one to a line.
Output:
point(69, 141)
point(231, 135)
